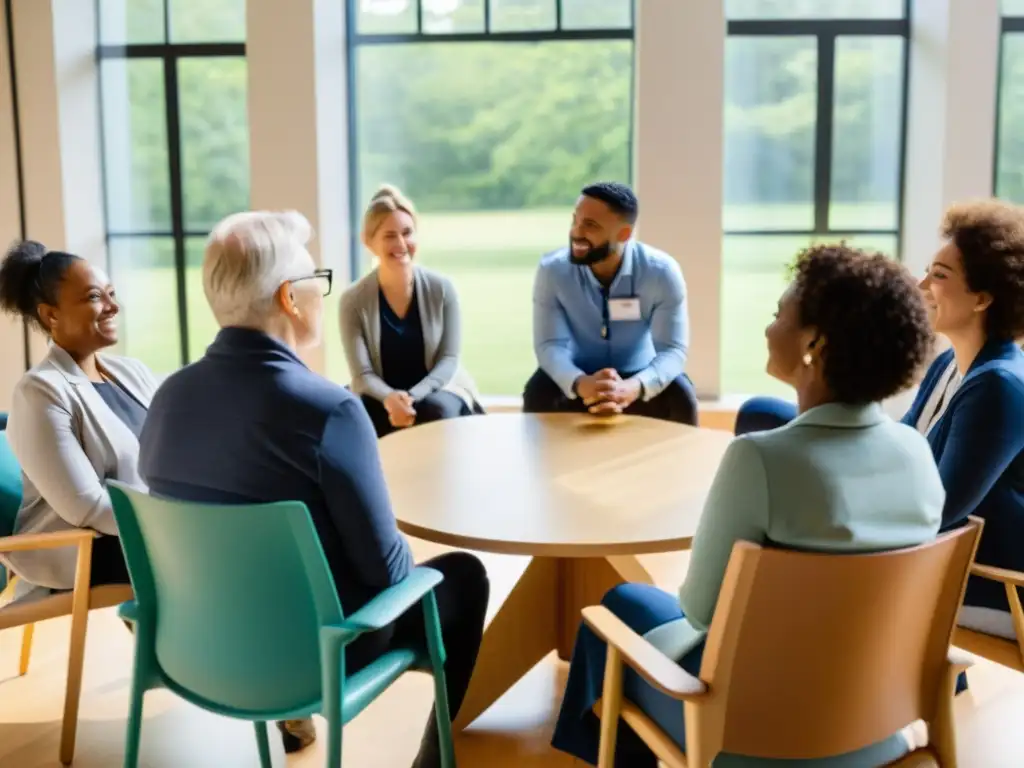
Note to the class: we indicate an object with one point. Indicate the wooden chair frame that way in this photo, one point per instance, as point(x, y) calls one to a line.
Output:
point(1008, 653)
point(76, 604)
point(705, 706)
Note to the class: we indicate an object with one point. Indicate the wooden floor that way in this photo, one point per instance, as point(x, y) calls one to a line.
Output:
point(515, 732)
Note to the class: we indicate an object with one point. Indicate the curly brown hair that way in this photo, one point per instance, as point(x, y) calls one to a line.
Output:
point(990, 237)
point(871, 316)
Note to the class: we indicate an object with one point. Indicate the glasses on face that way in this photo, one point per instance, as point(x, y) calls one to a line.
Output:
point(324, 278)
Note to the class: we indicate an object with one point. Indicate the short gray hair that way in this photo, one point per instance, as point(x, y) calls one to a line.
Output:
point(248, 256)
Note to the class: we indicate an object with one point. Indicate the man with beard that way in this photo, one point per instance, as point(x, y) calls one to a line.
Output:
point(610, 327)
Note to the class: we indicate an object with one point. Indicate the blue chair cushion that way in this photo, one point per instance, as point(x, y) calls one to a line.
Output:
point(10, 487)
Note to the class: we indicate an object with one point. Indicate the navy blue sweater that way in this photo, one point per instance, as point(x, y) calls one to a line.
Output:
point(250, 423)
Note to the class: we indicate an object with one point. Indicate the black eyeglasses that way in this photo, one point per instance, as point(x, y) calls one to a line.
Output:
point(324, 278)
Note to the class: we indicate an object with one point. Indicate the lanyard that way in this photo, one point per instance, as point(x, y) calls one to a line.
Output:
point(606, 326)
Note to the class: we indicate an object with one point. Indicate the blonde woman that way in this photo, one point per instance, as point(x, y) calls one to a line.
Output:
point(400, 327)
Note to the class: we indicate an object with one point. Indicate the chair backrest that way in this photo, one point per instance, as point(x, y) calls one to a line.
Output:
point(10, 487)
point(237, 596)
point(811, 655)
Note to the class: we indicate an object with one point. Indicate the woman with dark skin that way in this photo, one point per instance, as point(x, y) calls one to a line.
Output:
point(76, 416)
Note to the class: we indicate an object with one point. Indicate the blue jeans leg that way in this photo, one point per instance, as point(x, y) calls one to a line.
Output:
point(760, 414)
point(578, 729)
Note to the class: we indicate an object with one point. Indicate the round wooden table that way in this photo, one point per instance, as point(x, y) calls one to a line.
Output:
point(581, 495)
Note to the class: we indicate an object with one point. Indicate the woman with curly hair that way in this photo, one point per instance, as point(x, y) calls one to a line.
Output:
point(970, 404)
point(971, 401)
point(851, 330)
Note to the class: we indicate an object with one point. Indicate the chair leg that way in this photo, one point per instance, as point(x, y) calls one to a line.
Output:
point(942, 730)
point(435, 648)
point(73, 692)
point(26, 649)
point(611, 706)
point(263, 744)
point(140, 674)
point(334, 740)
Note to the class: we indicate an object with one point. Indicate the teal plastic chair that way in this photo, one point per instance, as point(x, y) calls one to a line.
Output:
point(236, 611)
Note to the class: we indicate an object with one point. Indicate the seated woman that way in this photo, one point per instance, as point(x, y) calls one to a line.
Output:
point(850, 331)
point(400, 327)
point(76, 416)
point(970, 404)
point(971, 401)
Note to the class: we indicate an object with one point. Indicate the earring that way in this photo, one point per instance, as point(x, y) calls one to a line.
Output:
point(808, 359)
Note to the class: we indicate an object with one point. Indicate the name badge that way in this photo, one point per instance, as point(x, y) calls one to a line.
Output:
point(624, 309)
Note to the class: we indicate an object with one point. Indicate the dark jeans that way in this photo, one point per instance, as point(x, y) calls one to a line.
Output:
point(108, 565)
point(578, 730)
point(677, 402)
point(434, 407)
point(760, 414)
point(462, 605)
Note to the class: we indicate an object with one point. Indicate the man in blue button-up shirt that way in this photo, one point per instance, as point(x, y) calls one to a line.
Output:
point(610, 327)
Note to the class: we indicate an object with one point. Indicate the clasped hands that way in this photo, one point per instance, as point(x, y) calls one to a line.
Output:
point(400, 411)
point(605, 393)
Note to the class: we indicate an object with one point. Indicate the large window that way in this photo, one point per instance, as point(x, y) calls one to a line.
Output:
point(1009, 167)
point(814, 130)
point(491, 115)
point(176, 159)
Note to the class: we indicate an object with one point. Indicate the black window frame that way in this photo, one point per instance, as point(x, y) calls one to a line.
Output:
point(169, 54)
point(826, 32)
point(1008, 25)
point(355, 39)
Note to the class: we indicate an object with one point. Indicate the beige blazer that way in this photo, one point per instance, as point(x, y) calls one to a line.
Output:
point(442, 338)
point(69, 443)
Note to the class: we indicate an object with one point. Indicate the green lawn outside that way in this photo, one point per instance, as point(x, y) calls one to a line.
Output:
point(491, 257)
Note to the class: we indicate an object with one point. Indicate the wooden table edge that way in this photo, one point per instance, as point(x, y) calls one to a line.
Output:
point(546, 549)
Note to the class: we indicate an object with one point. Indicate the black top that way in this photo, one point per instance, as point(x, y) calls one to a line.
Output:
point(402, 356)
point(127, 408)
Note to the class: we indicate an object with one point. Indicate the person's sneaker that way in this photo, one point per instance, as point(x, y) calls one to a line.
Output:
point(296, 734)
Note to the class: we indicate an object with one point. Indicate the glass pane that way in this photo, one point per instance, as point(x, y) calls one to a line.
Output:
point(1013, 7)
point(142, 270)
point(1010, 150)
point(815, 9)
point(131, 21)
point(453, 16)
point(135, 145)
point(214, 139)
point(494, 166)
point(207, 21)
point(522, 15)
point(385, 16)
point(867, 114)
point(771, 96)
point(754, 275)
point(202, 326)
point(597, 14)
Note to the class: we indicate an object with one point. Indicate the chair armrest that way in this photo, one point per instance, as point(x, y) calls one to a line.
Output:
point(998, 574)
point(55, 540)
point(650, 663)
point(392, 602)
point(129, 611)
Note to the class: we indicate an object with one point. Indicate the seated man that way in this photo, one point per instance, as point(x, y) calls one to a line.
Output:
point(609, 319)
point(250, 423)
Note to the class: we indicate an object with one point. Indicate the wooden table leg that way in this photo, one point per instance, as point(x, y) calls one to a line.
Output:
point(523, 632)
point(541, 614)
point(584, 581)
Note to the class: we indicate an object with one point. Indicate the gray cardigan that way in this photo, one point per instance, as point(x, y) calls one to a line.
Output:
point(68, 443)
point(442, 335)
